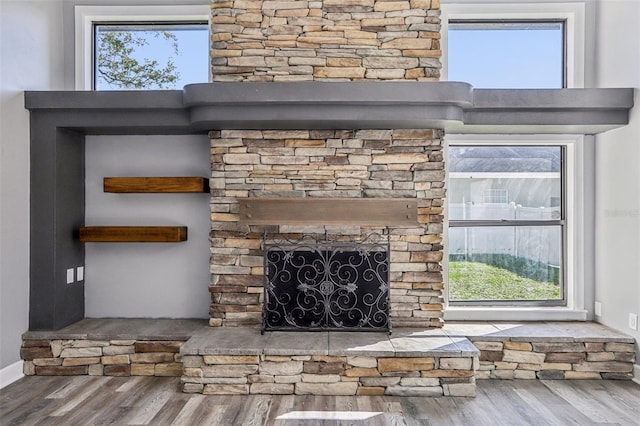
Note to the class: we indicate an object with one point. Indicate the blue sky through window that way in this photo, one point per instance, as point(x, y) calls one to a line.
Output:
point(506, 55)
point(192, 60)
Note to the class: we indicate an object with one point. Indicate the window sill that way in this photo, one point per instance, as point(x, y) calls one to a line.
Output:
point(482, 313)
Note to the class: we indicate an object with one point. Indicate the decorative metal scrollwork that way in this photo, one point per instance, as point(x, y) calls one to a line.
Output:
point(328, 285)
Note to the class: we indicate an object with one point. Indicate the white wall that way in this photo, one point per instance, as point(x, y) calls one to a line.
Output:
point(147, 279)
point(618, 169)
point(31, 58)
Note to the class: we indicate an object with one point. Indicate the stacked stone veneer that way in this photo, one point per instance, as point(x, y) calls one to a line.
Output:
point(329, 164)
point(330, 40)
point(329, 375)
point(549, 359)
point(101, 357)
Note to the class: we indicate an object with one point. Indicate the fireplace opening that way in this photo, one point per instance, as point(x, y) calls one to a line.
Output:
point(338, 283)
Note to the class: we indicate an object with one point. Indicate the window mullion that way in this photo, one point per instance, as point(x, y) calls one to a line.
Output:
point(477, 223)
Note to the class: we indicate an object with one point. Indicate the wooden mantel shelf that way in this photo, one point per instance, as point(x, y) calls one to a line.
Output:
point(329, 211)
point(133, 234)
point(181, 184)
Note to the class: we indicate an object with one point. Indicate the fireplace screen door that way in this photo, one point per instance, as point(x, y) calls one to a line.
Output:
point(327, 285)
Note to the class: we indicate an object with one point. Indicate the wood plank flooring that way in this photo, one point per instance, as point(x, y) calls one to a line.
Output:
point(85, 400)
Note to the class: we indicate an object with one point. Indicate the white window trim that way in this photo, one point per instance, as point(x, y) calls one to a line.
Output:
point(575, 227)
point(86, 16)
point(572, 13)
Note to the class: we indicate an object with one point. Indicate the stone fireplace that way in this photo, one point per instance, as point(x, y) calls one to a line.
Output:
point(340, 165)
point(331, 41)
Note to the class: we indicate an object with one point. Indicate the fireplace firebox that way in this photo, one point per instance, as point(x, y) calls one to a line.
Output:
point(329, 284)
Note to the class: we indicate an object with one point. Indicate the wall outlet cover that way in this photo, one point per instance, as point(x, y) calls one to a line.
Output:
point(80, 273)
point(598, 309)
point(70, 276)
point(633, 321)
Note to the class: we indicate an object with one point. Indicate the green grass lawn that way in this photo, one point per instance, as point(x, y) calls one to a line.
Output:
point(479, 281)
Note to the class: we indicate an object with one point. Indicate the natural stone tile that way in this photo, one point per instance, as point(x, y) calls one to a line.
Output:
point(419, 381)
point(118, 350)
point(53, 361)
point(89, 343)
point(558, 347)
point(370, 391)
point(523, 356)
point(571, 357)
point(220, 389)
point(77, 370)
point(386, 365)
point(81, 352)
point(260, 378)
point(115, 359)
point(625, 356)
point(518, 346)
point(605, 366)
point(619, 347)
point(503, 374)
point(119, 370)
point(361, 372)
point(271, 388)
point(577, 375)
point(229, 370)
point(96, 370)
point(380, 381)
point(313, 367)
point(414, 391)
point(340, 388)
point(283, 343)
point(231, 359)
point(68, 362)
point(524, 375)
point(550, 375)
point(288, 368)
point(361, 361)
point(455, 363)
point(320, 378)
point(151, 357)
point(288, 379)
point(31, 353)
point(594, 346)
point(171, 369)
point(149, 370)
point(192, 387)
point(459, 389)
point(600, 356)
point(491, 355)
point(502, 365)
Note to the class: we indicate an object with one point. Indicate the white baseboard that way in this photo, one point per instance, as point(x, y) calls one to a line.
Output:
point(10, 374)
point(636, 373)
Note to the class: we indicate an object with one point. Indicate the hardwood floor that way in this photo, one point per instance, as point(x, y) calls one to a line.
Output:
point(85, 400)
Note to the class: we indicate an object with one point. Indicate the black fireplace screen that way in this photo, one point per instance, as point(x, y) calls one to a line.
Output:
point(327, 285)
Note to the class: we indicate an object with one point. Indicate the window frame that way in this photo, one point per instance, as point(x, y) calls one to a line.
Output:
point(561, 223)
point(575, 199)
point(573, 14)
point(88, 16)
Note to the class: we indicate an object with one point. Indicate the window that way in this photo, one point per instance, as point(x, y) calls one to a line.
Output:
point(506, 224)
point(514, 45)
point(141, 47)
point(149, 56)
point(507, 54)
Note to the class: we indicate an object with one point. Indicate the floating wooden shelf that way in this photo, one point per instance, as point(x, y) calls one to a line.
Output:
point(329, 211)
point(133, 234)
point(156, 184)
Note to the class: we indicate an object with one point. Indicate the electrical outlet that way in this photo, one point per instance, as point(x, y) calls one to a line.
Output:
point(70, 276)
point(633, 321)
point(80, 273)
point(598, 309)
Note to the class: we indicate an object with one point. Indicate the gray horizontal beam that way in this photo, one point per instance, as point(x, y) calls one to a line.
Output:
point(453, 106)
